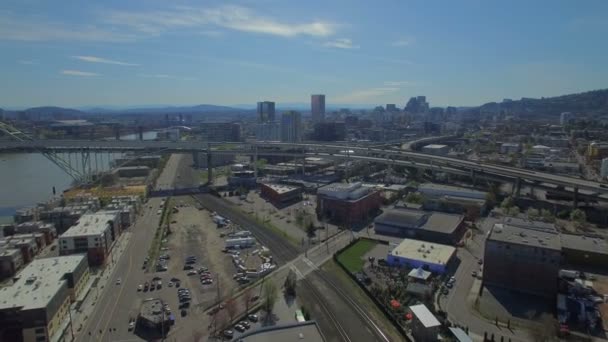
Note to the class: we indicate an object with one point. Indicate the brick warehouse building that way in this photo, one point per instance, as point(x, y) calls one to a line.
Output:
point(523, 257)
point(347, 204)
point(280, 195)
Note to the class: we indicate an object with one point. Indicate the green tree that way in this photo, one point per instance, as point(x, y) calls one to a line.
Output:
point(414, 197)
point(547, 215)
point(507, 203)
point(269, 295)
point(578, 217)
point(290, 283)
point(513, 211)
point(533, 213)
point(310, 229)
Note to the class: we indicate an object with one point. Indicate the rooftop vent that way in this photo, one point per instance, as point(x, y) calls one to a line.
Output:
point(30, 280)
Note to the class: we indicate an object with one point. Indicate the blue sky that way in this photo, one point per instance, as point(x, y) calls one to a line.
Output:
point(357, 52)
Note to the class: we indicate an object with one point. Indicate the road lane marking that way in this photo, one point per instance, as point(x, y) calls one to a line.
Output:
point(118, 297)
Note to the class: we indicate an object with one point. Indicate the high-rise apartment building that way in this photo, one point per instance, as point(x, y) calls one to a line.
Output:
point(266, 112)
point(317, 108)
point(291, 126)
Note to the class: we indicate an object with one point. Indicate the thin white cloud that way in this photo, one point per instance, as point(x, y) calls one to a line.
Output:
point(211, 33)
point(236, 18)
point(166, 76)
point(398, 83)
point(341, 43)
point(93, 59)
point(79, 73)
point(366, 94)
point(36, 28)
point(27, 62)
point(403, 42)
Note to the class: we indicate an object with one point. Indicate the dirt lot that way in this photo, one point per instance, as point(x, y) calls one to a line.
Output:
point(193, 233)
point(285, 218)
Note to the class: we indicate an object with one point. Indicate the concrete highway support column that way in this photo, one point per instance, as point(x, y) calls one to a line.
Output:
point(209, 168)
point(517, 187)
point(473, 176)
point(117, 132)
point(140, 131)
point(575, 198)
point(255, 161)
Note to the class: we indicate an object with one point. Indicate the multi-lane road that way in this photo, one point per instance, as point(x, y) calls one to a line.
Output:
point(117, 302)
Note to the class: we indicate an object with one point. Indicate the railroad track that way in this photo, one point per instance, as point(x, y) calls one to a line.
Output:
point(322, 303)
point(286, 252)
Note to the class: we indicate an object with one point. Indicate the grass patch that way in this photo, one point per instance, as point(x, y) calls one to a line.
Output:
point(154, 250)
point(267, 224)
point(352, 258)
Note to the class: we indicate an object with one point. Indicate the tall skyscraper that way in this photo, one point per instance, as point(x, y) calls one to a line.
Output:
point(291, 127)
point(266, 111)
point(317, 108)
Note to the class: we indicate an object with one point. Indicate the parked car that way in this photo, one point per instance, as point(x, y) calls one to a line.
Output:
point(239, 328)
point(192, 272)
point(245, 324)
point(188, 267)
point(253, 318)
point(140, 287)
point(118, 281)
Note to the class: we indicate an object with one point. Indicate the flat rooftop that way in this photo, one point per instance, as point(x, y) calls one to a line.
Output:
point(299, 332)
point(39, 282)
point(424, 315)
point(421, 250)
point(507, 233)
point(585, 243)
point(91, 224)
point(281, 189)
point(423, 220)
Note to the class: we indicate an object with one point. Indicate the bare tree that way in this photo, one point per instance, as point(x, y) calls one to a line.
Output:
point(231, 308)
point(247, 296)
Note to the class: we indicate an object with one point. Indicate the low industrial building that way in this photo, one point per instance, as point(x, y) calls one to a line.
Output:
point(416, 254)
point(280, 195)
point(523, 256)
point(242, 178)
point(153, 317)
point(348, 204)
point(149, 161)
point(423, 225)
point(508, 148)
point(452, 199)
point(132, 171)
point(425, 326)
point(94, 234)
point(307, 331)
point(36, 306)
point(436, 149)
point(584, 250)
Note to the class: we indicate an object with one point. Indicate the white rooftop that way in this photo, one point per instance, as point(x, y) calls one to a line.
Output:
point(39, 282)
point(422, 250)
point(91, 224)
point(435, 146)
point(424, 315)
point(281, 189)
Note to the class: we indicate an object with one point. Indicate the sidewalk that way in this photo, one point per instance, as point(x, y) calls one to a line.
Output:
point(97, 281)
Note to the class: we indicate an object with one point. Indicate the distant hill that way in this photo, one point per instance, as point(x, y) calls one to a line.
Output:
point(202, 108)
point(48, 113)
point(590, 102)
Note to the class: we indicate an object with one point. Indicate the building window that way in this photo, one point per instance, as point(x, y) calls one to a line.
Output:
point(39, 331)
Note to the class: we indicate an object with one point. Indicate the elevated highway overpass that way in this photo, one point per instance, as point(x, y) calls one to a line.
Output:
point(330, 150)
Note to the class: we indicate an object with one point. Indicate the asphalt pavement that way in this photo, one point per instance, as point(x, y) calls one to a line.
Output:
point(117, 303)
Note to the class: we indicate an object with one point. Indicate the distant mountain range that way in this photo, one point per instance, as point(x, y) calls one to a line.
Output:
point(590, 102)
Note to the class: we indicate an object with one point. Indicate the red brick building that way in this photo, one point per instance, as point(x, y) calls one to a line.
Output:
point(350, 205)
point(280, 195)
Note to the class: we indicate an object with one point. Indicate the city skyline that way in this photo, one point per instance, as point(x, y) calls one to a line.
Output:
point(184, 53)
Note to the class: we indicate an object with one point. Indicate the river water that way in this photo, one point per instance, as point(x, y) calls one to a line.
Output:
point(29, 178)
